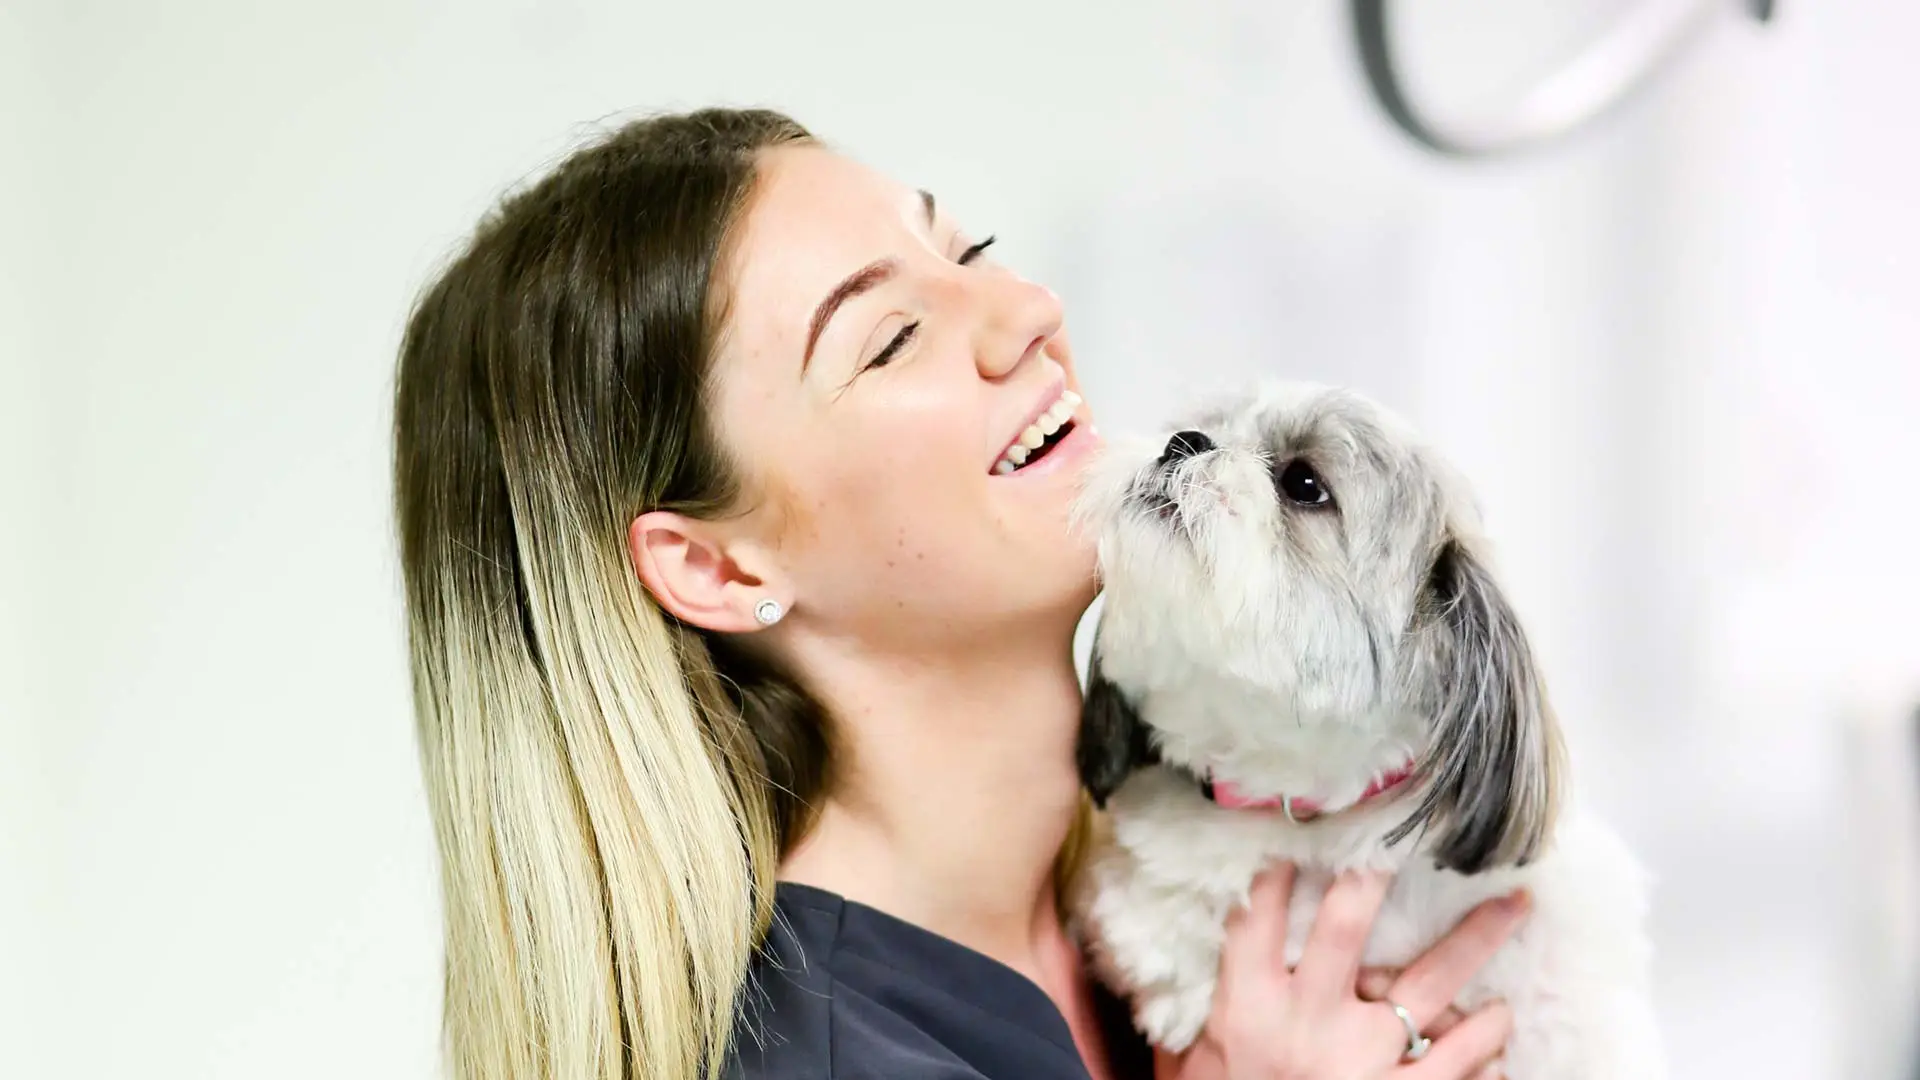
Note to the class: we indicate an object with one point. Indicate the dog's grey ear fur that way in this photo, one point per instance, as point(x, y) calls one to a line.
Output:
point(1113, 739)
point(1494, 768)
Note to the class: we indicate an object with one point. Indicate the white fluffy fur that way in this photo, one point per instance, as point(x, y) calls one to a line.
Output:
point(1285, 648)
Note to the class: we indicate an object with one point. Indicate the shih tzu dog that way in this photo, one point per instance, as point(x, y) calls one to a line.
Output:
point(1304, 656)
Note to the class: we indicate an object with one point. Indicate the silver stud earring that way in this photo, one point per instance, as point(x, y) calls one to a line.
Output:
point(767, 612)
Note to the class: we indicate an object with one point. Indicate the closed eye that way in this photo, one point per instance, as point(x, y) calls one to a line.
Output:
point(892, 348)
point(973, 252)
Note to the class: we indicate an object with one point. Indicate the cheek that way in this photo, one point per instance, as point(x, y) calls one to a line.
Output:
point(885, 504)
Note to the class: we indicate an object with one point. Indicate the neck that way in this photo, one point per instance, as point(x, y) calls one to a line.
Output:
point(952, 792)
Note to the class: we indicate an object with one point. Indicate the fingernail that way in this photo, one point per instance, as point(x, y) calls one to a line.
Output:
point(1519, 901)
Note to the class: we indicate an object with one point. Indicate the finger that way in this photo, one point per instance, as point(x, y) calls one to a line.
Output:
point(1331, 964)
point(1468, 1049)
point(1376, 982)
point(1445, 1022)
point(1431, 983)
point(1257, 933)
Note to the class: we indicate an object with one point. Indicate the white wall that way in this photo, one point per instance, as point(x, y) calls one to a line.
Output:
point(27, 486)
point(1677, 356)
point(1785, 307)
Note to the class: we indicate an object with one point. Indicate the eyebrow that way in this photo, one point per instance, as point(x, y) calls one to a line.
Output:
point(867, 277)
point(860, 281)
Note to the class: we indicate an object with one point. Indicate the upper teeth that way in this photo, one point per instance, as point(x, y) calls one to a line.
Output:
point(1037, 432)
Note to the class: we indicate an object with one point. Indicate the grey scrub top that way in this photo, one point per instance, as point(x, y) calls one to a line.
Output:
point(842, 991)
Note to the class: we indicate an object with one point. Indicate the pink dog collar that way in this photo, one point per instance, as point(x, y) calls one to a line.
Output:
point(1296, 808)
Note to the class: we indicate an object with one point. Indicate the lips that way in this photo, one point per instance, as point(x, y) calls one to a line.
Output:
point(1052, 424)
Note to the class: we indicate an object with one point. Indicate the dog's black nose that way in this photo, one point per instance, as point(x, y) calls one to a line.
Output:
point(1185, 444)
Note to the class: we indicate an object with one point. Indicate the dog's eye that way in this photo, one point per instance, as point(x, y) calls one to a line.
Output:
point(1300, 483)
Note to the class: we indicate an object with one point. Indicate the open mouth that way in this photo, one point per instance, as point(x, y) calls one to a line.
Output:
point(1041, 436)
point(1157, 501)
point(1176, 498)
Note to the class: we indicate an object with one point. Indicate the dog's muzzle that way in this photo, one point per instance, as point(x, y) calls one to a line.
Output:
point(1154, 488)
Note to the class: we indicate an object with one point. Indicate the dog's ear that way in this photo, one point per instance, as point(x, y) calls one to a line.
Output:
point(1495, 764)
point(1113, 739)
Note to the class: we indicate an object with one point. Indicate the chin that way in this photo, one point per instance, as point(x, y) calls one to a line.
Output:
point(1305, 655)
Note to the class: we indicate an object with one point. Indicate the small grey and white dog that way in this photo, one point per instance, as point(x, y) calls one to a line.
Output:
point(1304, 656)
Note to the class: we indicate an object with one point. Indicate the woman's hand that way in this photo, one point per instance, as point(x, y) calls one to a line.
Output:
point(1311, 1023)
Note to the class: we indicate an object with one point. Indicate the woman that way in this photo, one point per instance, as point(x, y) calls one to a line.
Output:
point(716, 578)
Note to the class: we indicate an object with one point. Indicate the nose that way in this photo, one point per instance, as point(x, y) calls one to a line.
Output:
point(1185, 444)
point(1021, 317)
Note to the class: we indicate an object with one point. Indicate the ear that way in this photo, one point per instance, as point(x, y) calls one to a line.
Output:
point(1113, 740)
point(697, 574)
point(1494, 768)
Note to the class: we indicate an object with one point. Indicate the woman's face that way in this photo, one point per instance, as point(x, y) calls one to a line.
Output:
point(877, 378)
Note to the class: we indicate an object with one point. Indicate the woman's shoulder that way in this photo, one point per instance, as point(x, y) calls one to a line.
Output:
point(841, 991)
point(784, 1026)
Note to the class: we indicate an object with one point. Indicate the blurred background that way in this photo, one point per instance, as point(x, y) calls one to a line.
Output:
point(1678, 351)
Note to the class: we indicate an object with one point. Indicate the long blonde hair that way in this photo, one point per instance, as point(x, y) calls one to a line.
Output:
point(611, 790)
